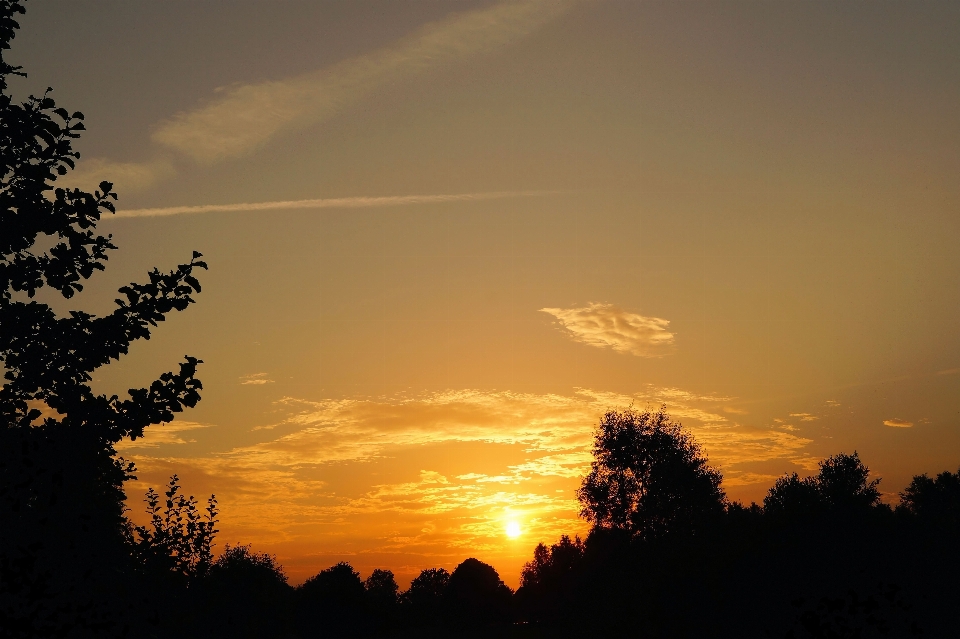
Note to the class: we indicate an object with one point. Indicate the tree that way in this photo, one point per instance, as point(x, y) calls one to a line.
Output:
point(381, 592)
point(649, 477)
point(794, 496)
point(842, 485)
point(63, 536)
point(548, 583)
point(331, 603)
point(476, 596)
point(554, 564)
point(422, 602)
point(244, 594)
point(935, 500)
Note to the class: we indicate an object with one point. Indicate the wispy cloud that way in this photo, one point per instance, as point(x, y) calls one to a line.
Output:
point(255, 378)
point(167, 433)
point(606, 326)
point(949, 371)
point(804, 417)
point(897, 423)
point(244, 117)
point(327, 203)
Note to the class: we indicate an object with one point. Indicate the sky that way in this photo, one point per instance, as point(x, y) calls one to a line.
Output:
point(445, 237)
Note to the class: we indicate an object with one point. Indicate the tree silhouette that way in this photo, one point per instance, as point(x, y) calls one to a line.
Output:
point(841, 486)
point(548, 583)
point(422, 602)
point(934, 500)
point(332, 603)
point(245, 594)
point(381, 593)
point(793, 496)
point(476, 596)
point(61, 497)
point(648, 476)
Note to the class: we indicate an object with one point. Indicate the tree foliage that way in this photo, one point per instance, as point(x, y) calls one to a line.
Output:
point(842, 485)
point(61, 482)
point(935, 500)
point(648, 476)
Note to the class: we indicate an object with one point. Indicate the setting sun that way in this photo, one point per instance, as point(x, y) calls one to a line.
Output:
point(513, 530)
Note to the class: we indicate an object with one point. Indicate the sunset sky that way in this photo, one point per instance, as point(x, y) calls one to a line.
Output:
point(445, 237)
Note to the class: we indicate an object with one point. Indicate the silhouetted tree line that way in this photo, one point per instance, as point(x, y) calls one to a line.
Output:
point(668, 555)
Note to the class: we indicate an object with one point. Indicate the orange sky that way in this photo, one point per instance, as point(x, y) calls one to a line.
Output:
point(444, 237)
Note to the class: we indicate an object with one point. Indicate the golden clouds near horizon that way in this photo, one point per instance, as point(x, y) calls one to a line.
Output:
point(427, 480)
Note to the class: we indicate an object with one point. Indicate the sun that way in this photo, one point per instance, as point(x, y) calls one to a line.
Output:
point(513, 529)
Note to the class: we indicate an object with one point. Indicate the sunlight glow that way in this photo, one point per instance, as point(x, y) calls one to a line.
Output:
point(513, 529)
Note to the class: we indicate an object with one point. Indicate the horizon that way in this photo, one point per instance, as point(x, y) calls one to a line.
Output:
point(444, 238)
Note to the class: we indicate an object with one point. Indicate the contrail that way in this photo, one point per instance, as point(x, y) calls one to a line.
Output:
point(330, 203)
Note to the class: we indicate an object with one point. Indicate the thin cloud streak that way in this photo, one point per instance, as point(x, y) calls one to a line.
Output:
point(327, 203)
point(247, 116)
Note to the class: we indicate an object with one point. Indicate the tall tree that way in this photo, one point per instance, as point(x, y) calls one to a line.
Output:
point(649, 477)
point(61, 481)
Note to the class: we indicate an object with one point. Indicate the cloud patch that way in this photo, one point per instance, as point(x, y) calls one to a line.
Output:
point(897, 423)
point(607, 326)
point(256, 379)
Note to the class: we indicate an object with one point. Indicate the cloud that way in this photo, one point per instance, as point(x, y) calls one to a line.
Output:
point(949, 371)
point(804, 417)
point(606, 326)
point(157, 434)
point(255, 378)
point(329, 203)
point(897, 423)
point(245, 117)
